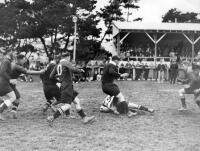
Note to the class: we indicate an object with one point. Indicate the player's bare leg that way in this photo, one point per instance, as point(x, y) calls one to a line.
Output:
point(196, 97)
point(86, 119)
point(60, 111)
point(140, 107)
point(7, 103)
point(14, 108)
point(182, 98)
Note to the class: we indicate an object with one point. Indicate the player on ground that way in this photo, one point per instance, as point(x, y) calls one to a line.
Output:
point(5, 84)
point(68, 95)
point(110, 73)
point(193, 87)
point(16, 70)
point(111, 104)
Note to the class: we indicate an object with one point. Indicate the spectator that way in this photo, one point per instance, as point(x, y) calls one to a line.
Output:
point(146, 71)
point(173, 71)
point(161, 71)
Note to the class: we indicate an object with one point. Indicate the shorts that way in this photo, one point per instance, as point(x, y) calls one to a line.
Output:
point(5, 87)
point(51, 92)
point(110, 89)
point(17, 94)
point(68, 95)
point(190, 90)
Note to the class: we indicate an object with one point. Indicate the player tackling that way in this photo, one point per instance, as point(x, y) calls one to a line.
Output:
point(115, 101)
point(64, 70)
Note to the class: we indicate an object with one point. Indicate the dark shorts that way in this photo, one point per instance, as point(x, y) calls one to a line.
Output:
point(5, 87)
point(51, 92)
point(189, 90)
point(68, 95)
point(110, 89)
point(16, 91)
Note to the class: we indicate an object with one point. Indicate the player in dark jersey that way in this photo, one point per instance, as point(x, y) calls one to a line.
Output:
point(68, 95)
point(110, 73)
point(50, 87)
point(5, 81)
point(193, 87)
point(16, 70)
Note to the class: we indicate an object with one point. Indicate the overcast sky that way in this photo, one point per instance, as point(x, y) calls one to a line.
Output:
point(153, 10)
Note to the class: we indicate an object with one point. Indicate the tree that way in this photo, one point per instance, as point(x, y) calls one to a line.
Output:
point(113, 12)
point(174, 14)
point(50, 21)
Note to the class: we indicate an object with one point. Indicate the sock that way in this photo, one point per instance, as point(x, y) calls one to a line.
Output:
point(143, 108)
point(67, 112)
point(56, 114)
point(81, 113)
point(183, 102)
point(15, 106)
point(198, 102)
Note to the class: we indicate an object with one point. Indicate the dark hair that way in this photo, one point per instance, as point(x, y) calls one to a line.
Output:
point(115, 58)
point(122, 107)
point(20, 56)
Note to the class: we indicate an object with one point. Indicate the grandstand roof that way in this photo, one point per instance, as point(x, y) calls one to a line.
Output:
point(155, 27)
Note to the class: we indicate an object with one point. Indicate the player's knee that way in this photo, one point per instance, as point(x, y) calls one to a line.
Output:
point(65, 107)
point(181, 93)
point(121, 97)
point(8, 103)
point(77, 104)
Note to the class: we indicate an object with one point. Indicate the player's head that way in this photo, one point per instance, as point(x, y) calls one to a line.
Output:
point(57, 58)
point(21, 59)
point(116, 59)
point(122, 107)
point(66, 56)
point(11, 56)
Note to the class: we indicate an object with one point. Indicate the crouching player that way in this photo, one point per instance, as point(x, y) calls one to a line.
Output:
point(50, 87)
point(68, 95)
point(116, 102)
point(193, 87)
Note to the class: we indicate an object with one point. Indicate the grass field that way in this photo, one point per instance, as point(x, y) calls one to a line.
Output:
point(166, 130)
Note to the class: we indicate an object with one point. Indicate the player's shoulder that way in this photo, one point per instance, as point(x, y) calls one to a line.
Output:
point(16, 66)
point(64, 63)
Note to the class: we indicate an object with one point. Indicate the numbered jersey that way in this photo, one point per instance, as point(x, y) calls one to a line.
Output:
point(108, 102)
point(64, 73)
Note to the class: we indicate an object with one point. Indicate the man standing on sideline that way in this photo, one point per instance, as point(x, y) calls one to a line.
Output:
point(161, 71)
point(173, 71)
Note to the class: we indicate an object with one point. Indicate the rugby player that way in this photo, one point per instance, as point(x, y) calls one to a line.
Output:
point(111, 104)
point(68, 95)
point(5, 83)
point(16, 70)
point(50, 86)
point(110, 73)
point(193, 87)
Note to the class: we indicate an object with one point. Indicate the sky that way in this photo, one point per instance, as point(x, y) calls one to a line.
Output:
point(153, 10)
